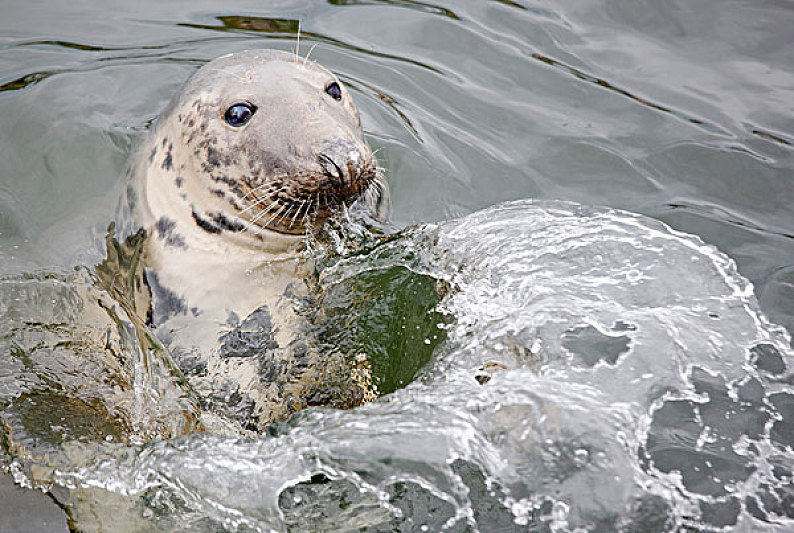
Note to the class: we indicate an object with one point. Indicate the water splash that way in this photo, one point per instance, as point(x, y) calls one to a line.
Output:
point(597, 371)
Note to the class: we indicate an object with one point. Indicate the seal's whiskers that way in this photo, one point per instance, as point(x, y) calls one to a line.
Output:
point(370, 195)
point(316, 207)
point(266, 186)
point(306, 59)
point(259, 202)
point(261, 215)
point(305, 220)
point(271, 219)
point(295, 214)
point(298, 43)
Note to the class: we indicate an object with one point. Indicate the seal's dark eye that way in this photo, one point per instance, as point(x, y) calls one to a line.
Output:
point(239, 114)
point(334, 90)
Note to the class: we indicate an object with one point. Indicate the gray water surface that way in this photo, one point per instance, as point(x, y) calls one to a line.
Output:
point(593, 369)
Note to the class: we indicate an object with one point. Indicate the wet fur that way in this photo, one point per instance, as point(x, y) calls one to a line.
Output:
point(227, 211)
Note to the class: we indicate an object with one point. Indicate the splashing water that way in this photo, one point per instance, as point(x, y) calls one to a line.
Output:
point(591, 370)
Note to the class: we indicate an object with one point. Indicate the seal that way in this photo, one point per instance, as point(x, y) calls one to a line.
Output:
point(256, 150)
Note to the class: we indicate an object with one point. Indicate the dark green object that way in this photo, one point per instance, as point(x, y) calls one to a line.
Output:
point(389, 315)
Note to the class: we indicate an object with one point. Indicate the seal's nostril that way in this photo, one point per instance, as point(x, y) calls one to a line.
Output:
point(341, 160)
point(332, 168)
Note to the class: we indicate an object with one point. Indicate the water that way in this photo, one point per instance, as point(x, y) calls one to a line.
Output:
point(594, 369)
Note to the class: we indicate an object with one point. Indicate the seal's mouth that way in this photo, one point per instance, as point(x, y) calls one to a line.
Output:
point(302, 201)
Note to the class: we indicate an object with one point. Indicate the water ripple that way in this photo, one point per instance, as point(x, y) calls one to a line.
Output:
point(288, 29)
point(584, 348)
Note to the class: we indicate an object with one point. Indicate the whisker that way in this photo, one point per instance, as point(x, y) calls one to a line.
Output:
point(298, 43)
point(283, 218)
point(271, 219)
point(257, 203)
point(305, 219)
point(295, 214)
point(265, 186)
point(260, 215)
point(260, 199)
point(305, 59)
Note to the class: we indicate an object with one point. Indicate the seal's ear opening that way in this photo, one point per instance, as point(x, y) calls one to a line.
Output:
point(239, 114)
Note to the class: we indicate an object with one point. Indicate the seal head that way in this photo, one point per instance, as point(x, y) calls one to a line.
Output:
point(259, 141)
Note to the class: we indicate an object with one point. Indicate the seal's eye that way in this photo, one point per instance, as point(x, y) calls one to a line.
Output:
point(334, 90)
point(239, 114)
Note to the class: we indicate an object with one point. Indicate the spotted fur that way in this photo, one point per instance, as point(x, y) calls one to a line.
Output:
point(229, 208)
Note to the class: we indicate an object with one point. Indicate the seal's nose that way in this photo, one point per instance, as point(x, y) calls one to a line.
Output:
point(342, 161)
